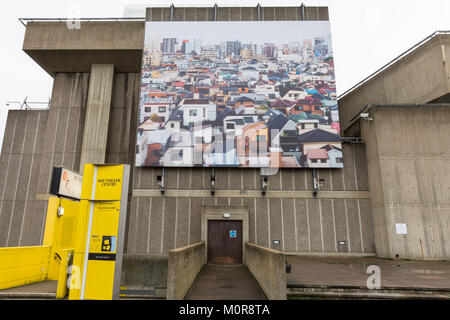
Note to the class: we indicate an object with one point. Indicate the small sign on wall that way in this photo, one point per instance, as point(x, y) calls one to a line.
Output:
point(400, 228)
point(232, 233)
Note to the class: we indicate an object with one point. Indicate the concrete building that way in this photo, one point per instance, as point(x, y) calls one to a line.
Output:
point(399, 173)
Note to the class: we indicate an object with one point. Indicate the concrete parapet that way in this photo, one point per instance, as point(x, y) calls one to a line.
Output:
point(268, 268)
point(184, 265)
point(23, 265)
point(144, 274)
point(57, 48)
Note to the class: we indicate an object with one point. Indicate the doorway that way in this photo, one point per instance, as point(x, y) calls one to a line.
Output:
point(225, 242)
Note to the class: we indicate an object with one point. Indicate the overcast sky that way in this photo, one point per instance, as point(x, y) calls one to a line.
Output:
point(366, 35)
point(276, 32)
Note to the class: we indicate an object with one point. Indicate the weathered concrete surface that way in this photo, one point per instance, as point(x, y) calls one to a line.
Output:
point(341, 276)
point(96, 123)
point(408, 152)
point(56, 48)
point(144, 275)
point(38, 290)
point(289, 213)
point(20, 161)
point(218, 282)
point(184, 265)
point(269, 269)
point(420, 77)
point(156, 225)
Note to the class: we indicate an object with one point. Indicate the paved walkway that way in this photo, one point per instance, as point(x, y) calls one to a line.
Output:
point(350, 271)
point(217, 282)
point(38, 290)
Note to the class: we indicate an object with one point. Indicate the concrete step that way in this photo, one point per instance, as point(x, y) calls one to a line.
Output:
point(37, 290)
point(296, 292)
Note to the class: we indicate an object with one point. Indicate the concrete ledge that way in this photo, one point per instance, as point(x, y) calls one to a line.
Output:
point(252, 194)
point(184, 265)
point(56, 48)
point(331, 254)
point(344, 293)
point(269, 269)
point(24, 295)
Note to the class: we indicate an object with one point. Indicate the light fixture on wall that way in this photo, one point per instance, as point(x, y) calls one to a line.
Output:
point(317, 183)
point(213, 182)
point(160, 179)
point(265, 185)
point(366, 116)
point(226, 215)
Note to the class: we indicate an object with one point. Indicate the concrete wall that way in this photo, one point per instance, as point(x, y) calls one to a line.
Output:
point(269, 269)
point(289, 213)
point(23, 265)
point(96, 124)
point(184, 265)
point(22, 216)
point(144, 274)
point(157, 224)
point(37, 141)
point(420, 77)
point(409, 173)
point(57, 48)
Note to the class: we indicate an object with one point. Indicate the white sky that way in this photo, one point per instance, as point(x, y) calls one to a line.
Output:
point(277, 32)
point(366, 35)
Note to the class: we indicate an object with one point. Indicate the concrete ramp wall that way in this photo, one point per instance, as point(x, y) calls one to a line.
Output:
point(23, 265)
point(184, 265)
point(268, 268)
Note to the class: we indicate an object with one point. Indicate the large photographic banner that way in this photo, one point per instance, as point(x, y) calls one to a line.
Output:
point(238, 94)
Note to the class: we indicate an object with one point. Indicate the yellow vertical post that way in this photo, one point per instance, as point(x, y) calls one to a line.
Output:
point(50, 236)
point(98, 251)
point(50, 220)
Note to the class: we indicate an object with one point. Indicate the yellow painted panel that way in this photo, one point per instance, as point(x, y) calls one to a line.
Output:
point(98, 223)
point(108, 185)
point(60, 231)
point(100, 280)
point(88, 177)
point(50, 220)
point(108, 182)
point(23, 265)
point(62, 289)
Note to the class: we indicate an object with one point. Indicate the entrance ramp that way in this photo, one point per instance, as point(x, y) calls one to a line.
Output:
point(225, 282)
point(261, 276)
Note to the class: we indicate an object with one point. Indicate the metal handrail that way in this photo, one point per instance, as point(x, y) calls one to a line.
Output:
point(23, 21)
point(393, 61)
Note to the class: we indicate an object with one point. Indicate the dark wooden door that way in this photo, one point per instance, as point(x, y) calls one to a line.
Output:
point(224, 241)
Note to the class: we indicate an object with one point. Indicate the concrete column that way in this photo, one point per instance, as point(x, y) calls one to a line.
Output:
point(96, 123)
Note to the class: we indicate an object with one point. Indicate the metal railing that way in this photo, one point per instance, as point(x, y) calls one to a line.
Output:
point(24, 21)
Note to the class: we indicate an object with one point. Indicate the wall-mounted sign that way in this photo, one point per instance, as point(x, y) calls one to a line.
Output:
point(99, 254)
point(66, 183)
point(400, 228)
point(213, 95)
point(276, 241)
point(232, 233)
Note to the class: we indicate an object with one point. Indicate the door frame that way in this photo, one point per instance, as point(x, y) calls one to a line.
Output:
point(238, 213)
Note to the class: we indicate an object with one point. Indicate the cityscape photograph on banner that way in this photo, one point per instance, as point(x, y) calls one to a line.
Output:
point(238, 94)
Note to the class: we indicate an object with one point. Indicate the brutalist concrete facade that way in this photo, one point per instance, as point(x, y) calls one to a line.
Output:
point(35, 141)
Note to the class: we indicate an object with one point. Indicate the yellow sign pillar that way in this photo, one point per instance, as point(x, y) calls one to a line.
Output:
point(97, 264)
